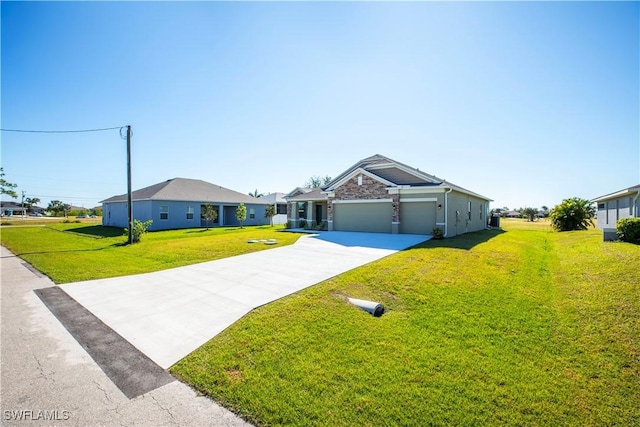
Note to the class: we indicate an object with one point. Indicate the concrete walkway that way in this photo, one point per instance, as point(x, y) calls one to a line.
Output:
point(170, 313)
point(47, 378)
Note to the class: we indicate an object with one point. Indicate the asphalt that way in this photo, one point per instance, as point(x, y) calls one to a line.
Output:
point(48, 378)
point(170, 313)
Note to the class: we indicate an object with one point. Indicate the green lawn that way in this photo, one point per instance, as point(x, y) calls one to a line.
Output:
point(70, 252)
point(523, 327)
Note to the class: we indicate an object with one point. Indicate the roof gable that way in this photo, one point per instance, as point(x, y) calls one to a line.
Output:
point(388, 171)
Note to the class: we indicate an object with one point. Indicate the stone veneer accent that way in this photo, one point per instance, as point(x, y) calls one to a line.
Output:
point(369, 190)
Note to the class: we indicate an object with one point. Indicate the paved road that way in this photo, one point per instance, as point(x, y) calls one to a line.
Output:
point(47, 378)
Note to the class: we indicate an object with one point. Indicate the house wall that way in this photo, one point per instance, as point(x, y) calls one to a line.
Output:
point(459, 220)
point(115, 214)
point(610, 211)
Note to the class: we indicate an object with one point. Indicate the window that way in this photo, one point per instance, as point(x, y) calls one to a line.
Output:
point(481, 209)
point(359, 179)
point(189, 212)
point(164, 212)
point(469, 210)
point(302, 209)
point(281, 209)
point(600, 206)
point(252, 213)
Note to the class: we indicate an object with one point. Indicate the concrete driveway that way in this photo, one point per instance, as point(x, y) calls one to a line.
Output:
point(170, 313)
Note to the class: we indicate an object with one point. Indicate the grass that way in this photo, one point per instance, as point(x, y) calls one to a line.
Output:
point(71, 252)
point(523, 327)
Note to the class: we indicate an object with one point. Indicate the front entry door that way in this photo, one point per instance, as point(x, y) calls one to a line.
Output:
point(318, 213)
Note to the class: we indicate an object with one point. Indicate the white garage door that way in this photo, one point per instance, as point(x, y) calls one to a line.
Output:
point(367, 217)
point(417, 217)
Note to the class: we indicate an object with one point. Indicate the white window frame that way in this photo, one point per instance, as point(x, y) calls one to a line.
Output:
point(164, 209)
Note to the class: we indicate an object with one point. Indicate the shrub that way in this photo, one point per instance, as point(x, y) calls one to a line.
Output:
point(302, 223)
point(288, 225)
point(437, 233)
point(628, 230)
point(139, 228)
point(572, 214)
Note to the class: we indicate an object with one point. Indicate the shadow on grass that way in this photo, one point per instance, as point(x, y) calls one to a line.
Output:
point(465, 241)
point(99, 231)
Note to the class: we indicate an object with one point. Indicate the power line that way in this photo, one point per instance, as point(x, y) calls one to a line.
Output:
point(61, 131)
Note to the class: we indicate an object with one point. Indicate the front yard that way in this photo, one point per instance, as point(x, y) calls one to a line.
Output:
point(525, 327)
point(521, 327)
point(71, 252)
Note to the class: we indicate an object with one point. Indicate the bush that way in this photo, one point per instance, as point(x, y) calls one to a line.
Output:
point(302, 223)
point(437, 233)
point(288, 225)
point(628, 230)
point(572, 214)
point(139, 228)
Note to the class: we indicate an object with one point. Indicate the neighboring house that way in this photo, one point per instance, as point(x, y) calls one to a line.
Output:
point(612, 207)
point(12, 208)
point(381, 195)
point(513, 214)
point(177, 203)
point(280, 204)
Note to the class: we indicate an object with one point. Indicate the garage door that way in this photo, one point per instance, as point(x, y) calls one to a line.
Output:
point(417, 217)
point(368, 217)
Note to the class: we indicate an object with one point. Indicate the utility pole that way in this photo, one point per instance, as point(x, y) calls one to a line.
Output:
point(129, 184)
point(23, 212)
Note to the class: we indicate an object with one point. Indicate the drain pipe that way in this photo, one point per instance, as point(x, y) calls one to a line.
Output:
point(374, 308)
point(446, 212)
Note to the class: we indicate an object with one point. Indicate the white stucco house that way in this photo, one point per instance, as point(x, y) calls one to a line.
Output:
point(614, 206)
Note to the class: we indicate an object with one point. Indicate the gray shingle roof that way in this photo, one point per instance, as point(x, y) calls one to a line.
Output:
point(183, 189)
point(312, 194)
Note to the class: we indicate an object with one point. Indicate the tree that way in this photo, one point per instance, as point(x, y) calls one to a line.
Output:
point(317, 181)
point(241, 213)
point(30, 202)
point(530, 213)
point(270, 212)
point(56, 206)
point(209, 213)
point(6, 187)
point(256, 194)
point(572, 214)
point(545, 211)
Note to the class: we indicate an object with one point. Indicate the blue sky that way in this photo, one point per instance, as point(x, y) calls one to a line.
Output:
point(526, 103)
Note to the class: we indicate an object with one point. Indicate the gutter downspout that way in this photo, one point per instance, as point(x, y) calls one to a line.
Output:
point(635, 204)
point(446, 212)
